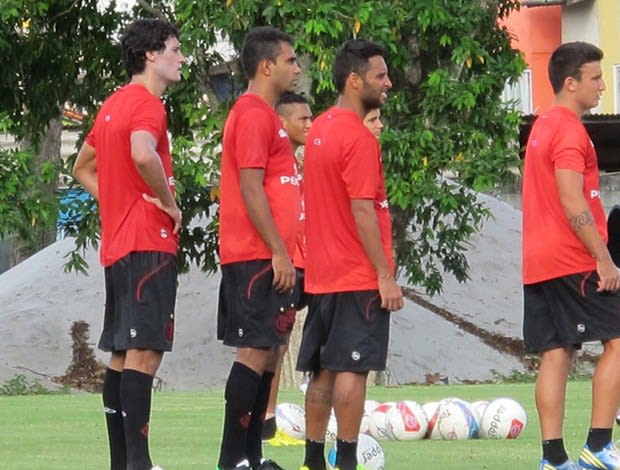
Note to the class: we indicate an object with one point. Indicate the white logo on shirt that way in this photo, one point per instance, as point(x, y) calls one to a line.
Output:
point(294, 180)
point(170, 180)
point(317, 142)
point(595, 194)
point(581, 328)
point(107, 118)
point(384, 204)
point(282, 133)
point(163, 233)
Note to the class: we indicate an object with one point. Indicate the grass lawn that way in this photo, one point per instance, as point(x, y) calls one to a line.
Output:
point(68, 431)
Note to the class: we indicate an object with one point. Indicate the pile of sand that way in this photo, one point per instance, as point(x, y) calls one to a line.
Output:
point(40, 302)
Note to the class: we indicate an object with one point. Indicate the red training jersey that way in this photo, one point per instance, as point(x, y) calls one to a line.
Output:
point(254, 138)
point(342, 162)
point(299, 259)
point(128, 222)
point(551, 249)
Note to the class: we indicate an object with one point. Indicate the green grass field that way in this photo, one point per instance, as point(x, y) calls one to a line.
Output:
point(68, 431)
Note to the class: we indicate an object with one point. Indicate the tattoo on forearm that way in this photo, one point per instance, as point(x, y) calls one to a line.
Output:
point(579, 221)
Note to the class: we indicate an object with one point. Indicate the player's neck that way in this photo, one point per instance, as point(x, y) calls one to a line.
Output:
point(265, 91)
point(154, 86)
point(567, 102)
point(346, 102)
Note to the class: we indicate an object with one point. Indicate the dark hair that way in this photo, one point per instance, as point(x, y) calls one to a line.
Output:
point(290, 98)
point(567, 60)
point(261, 43)
point(353, 56)
point(144, 36)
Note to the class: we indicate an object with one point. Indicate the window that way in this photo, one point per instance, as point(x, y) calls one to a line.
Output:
point(519, 94)
point(616, 88)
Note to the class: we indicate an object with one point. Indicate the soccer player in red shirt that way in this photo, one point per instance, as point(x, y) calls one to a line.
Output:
point(259, 217)
point(570, 281)
point(125, 164)
point(373, 122)
point(296, 117)
point(349, 265)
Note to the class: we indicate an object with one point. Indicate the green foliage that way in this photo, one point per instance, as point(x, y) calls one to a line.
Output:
point(19, 385)
point(448, 135)
point(24, 207)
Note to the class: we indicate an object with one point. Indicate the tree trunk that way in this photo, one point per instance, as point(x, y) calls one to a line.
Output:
point(45, 235)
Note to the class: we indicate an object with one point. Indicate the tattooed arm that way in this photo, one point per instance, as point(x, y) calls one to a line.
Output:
point(570, 191)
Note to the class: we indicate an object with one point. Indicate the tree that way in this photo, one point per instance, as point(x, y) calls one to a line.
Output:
point(55, 52)
point(448, 133)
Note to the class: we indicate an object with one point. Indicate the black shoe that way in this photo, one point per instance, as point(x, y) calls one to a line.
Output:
point(268, 465)
point(269, 429)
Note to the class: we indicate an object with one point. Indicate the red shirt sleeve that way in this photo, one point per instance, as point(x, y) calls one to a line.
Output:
point(149, 116)
point(361, 167)
point(251, 144)
point(569, 152)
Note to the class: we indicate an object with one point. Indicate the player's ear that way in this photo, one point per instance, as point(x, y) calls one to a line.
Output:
point(264, 67)
point(354, 80)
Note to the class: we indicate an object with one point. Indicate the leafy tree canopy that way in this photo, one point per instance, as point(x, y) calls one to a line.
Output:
point(448, 135)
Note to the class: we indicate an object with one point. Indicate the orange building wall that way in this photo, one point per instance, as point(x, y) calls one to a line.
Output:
point(537, 31)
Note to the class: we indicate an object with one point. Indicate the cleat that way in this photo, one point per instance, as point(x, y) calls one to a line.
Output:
point(267, 464)
point(568, 465)
point(269, 429)
point(606, 459)
point(243, 465)
point(282, 439)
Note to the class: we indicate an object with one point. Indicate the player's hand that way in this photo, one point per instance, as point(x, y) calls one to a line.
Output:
point(173, 211)
point(609, 276)
point(283, 273)
point(391, 294)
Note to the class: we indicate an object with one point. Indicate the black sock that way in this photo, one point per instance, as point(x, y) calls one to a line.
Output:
point(598, 438)
point(114, 419)
point(136, 388)
point(240, 394)
point(269, 429)
point(346, 455)
point(315, 455)
point(554, 451)
point(254, 443)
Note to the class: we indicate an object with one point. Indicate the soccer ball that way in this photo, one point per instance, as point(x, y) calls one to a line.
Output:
point(291, 420)
point(369, 454)
point(430, 410)
point(377, 421)
point(332, 428)
point(369, 406)
point(479, 407)
point(504, 418)
point(406, 421)
point(456, 420)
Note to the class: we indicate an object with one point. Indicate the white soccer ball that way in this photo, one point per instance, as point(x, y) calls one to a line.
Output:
point(370, 454)
point(406, 421)
point(291, 420)
point(369, 406)
point(504, 418)
point(479, 406)
point(377, 421)
point(332, 428)
point(456, 420)
point(430, 410)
